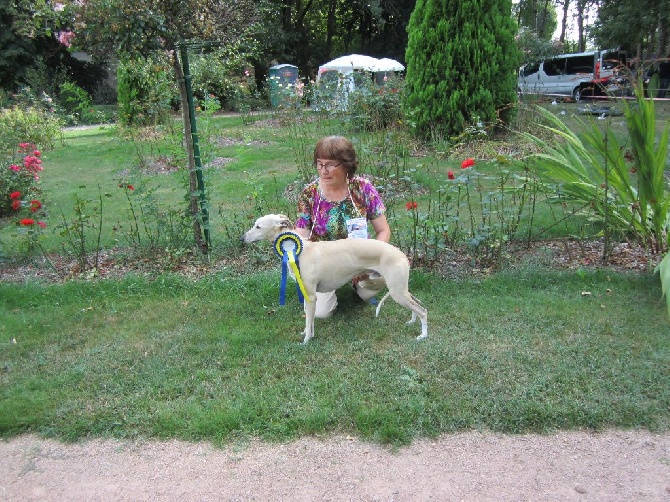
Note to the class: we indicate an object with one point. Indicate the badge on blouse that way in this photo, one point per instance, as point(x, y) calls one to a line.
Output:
point(357, 228)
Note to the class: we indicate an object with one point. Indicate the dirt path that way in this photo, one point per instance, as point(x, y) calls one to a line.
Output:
point(612, 466)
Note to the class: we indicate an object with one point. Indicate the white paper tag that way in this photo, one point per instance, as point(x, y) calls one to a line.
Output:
point(357, 228)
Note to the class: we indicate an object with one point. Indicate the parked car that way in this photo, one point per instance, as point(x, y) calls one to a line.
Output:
point(577, 75)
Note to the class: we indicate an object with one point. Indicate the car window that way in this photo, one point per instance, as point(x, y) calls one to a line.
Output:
point(579, 64)
point(529, 69)
point(554, 66)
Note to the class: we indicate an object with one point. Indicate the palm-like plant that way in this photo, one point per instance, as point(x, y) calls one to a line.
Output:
point(593, 170)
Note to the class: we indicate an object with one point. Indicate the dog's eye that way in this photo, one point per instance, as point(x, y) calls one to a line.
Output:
point(258, 226)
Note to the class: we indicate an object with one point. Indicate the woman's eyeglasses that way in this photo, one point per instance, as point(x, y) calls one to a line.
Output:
point(328, 167)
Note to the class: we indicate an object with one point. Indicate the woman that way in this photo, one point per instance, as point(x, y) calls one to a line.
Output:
point(339, 205)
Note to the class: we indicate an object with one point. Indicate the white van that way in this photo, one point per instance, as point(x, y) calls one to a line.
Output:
point(573, 75)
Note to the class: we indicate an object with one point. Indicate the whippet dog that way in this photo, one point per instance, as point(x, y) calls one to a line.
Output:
point(327, 265)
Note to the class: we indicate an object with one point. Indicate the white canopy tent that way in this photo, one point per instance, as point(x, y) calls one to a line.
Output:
point(345, 67)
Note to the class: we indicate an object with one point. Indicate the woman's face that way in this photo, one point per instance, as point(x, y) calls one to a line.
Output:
point(332, 173)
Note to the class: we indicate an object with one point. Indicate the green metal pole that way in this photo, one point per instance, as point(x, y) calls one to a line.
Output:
point(196, 147)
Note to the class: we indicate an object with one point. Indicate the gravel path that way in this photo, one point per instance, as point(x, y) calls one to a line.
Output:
point(612, 466)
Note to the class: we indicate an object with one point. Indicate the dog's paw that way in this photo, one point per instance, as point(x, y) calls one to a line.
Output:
point(422, 337)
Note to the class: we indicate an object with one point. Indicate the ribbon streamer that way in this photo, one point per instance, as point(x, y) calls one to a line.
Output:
point(285, 245)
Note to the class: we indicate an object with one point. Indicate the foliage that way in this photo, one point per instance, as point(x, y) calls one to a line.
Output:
point(537, 17)
point(596, 172)
point(534, 48)
point(224, 73)
point(27, 124)
point(144, 91)
point(373, 107)
point(461, 65)
point(630, 24)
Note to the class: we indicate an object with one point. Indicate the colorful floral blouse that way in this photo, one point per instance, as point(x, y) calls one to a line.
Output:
point(328, 219)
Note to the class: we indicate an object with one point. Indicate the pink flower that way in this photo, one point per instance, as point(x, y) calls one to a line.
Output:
point(65, 38)
point(14, 168)
point(42, 224)
point(467, 163)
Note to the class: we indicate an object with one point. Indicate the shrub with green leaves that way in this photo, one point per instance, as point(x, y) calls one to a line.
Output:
point(373, 107)
point(144, 92)
point(30, 125)
point(461, 65)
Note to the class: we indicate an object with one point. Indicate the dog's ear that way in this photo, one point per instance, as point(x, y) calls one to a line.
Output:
point(285, 223)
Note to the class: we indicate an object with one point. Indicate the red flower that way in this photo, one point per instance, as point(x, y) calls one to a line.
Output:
point(450, 175)
point(16, 205)
point(410, 205)
point(14, 168)
point(26, 222)
point(42, 224)
point(15, 195)
point(130, 187)
point(467, 163)
point(35, 205)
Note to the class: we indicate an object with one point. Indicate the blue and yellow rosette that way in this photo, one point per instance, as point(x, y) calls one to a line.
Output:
point(288, 246)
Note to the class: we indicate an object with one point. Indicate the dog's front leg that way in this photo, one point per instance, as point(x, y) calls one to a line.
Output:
point(310, 310)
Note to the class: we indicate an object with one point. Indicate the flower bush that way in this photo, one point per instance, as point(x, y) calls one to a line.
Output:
point(18, 181)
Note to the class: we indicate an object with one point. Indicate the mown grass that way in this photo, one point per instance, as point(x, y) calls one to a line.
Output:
point(216, 359)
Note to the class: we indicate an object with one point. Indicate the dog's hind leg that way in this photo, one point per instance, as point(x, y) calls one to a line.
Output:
point(410, 303)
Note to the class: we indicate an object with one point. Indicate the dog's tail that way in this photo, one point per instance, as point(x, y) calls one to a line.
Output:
point(381, 302)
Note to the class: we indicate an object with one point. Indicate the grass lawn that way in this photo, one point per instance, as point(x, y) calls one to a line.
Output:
point(214, 357)
point(217, 359)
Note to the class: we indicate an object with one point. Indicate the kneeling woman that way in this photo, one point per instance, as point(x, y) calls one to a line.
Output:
point(339, 205)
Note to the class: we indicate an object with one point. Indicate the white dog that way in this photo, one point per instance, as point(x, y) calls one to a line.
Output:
point(327, 265)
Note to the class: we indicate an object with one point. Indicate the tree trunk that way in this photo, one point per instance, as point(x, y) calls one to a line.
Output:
point(564, 23)
point(194, 205)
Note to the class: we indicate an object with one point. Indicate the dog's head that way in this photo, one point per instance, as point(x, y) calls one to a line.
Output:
point(267, 227)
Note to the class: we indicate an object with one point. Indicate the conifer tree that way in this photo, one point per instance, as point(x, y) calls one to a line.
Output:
point(461, 65)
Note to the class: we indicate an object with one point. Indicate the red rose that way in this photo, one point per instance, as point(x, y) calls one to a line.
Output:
point(467, 163)
point(26, 222)
point(15, 195)
point(35, 205)
point(451, 175)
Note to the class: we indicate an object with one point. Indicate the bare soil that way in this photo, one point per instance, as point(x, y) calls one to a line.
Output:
point(567, 466)
point(579, 466)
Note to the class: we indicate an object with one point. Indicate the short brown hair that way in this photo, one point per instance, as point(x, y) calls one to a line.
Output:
point(337, 148)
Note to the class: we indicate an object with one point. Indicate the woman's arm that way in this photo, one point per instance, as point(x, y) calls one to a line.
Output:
point(382, 229)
